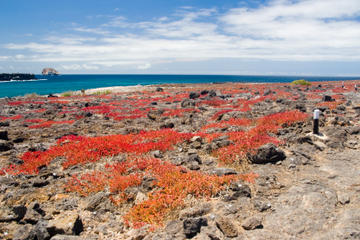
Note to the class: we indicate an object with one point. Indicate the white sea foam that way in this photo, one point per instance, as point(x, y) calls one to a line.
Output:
point(30, 80)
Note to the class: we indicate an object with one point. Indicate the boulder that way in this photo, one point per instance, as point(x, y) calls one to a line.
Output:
point(196, 211)
point(15, 213)
point(212, 93)
point(24, 232)
point(194, 95)
point(92, 202)
point(227, 227)
point(192, 226)
point(327, 98)
point(240, 189)
point(4, 135)
point(252, 223)
point(223, 171)
point(187, 103)
point(204, 92)
point(5, 146)
point(66, 223)
point(268, 153)
point(159, 89)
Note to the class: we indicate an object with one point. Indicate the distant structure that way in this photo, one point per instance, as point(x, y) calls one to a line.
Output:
point(49, 71)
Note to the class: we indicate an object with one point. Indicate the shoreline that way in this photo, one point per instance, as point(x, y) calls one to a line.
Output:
point(134, 88)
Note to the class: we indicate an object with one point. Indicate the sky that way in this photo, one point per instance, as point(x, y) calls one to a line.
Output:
point(257, 37)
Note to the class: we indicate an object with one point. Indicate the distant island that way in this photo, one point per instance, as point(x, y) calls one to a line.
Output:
point(49, 71)
point(16, 76)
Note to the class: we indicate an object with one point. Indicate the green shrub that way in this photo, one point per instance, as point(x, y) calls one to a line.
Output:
point(67, 94)
point(99, 93)
point(302, 82)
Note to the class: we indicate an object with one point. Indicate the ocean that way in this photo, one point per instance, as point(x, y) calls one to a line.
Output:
point(62, 83)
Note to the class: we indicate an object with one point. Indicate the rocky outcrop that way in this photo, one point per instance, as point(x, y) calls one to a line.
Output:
point(16, 76)
point(49, 71)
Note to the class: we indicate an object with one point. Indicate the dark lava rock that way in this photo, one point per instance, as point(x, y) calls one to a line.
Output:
point(167, 125)
point(268, 153)
point(19, 140)
point(5, 146)
point(34, 213)
point(241, 189)
point(327, 98)
point(155, 114)
point(212, 93)
point(20, 212)
point(15, 214)
point(4, 124)
point(194, 95)
point(187, 103)
point(192, 226)
point(301, 107)
point(204, 92)
point(4, 135)
point(159, 89)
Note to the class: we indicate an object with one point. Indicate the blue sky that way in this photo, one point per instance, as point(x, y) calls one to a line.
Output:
point(268, 37)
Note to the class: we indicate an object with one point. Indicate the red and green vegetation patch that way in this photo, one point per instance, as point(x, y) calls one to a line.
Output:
point(18, 103)
point(247, 142)
point(330, 105)
point(17, 117)
point(171, 186)
point(81, 150)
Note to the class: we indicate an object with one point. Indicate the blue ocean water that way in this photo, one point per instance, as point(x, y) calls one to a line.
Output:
point(63, 83)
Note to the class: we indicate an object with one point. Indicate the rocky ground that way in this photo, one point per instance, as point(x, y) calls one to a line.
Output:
point(286, 184)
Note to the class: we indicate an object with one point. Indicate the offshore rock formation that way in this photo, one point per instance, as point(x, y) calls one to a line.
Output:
point(16, 76)
point(49, 71)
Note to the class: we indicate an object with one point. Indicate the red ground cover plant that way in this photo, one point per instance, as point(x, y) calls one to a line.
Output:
point(36, 120)
point(17, 103)
point(17, 117)
point(171, 185)
point(81, 150)
point(330, 105)
point(50, 123)
point(247, 142)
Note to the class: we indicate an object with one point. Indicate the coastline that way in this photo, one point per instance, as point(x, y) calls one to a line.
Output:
point(74, 83)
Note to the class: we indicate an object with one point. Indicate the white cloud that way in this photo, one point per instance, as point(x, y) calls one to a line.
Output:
point(79, 67)
point(3, 58)
point(19, 56)
point(316, 30)
point(144, 66)
point(91, 30)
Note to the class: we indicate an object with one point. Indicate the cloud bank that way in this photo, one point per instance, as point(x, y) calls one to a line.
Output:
point(281, 30)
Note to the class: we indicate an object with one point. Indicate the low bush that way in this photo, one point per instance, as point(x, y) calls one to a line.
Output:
point(302, 82)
